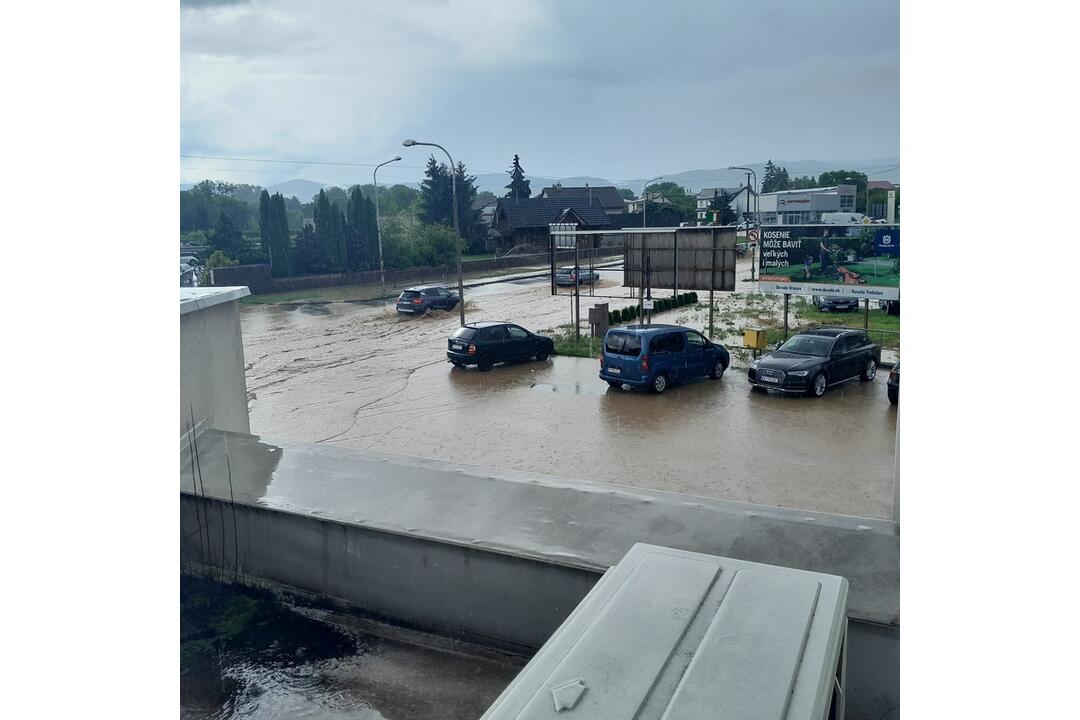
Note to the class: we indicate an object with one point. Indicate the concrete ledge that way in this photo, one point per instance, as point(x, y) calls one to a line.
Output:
point(586, 526)
point(192, 299)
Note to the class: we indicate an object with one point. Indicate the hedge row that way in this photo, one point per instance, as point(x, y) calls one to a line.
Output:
point(631, 312)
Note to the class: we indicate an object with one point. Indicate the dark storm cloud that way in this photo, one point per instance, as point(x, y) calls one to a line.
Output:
point(616, 89)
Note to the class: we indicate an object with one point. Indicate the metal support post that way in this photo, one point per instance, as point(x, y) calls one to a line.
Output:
point(787, 297)
point(866, 314)
point(577, 293)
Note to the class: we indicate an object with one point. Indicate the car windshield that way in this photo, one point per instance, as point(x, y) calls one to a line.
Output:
point(464, 333)
point(623, 344)
point(808, 345)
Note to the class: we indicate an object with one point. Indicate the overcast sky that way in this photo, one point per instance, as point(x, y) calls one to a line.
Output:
point(621, 90)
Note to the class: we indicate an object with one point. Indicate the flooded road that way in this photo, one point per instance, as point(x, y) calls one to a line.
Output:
point(243, 653)
point(357, 375)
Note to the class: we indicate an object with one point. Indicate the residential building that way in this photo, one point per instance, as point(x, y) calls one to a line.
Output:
point(607, 197)
point(739, 199)
point(654, 198)
point(517, 221)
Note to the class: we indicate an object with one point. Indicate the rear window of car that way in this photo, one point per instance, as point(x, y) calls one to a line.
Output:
point(623, 344)
point(464, 333)
point(409, 294)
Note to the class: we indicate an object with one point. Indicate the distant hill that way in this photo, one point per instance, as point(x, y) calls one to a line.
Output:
point(694, 180)
point(303, 190)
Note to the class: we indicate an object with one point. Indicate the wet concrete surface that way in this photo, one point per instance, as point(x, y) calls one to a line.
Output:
point(245, 653)
point(357, 375)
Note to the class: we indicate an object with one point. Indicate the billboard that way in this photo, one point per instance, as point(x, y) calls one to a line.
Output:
point(860, 261)
point(690, 258)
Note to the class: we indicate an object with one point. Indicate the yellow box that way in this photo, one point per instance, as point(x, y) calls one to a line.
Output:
point(755, 338)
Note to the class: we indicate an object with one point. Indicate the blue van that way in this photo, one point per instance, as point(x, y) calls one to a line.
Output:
point(654, 356)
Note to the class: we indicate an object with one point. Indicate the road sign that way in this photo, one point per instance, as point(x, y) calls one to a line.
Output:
point(752, 235)
point(647, 304)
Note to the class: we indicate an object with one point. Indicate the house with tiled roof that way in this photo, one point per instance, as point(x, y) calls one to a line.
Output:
point(519, 221)
point(607, 197)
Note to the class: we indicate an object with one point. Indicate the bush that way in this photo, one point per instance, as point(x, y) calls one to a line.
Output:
point(624, 314)
point(612, 318)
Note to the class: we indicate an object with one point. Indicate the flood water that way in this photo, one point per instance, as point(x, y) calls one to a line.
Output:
point(358, 375)
point(246, 654)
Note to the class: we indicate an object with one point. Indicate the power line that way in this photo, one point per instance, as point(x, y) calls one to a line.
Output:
point(289, 162)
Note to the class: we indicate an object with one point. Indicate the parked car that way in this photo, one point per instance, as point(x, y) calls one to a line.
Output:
point(654, 356)
point(568, 275)
point(815, 360)
point(485, 343)
point(832, 303)
point(418, 300)
point(893, 386)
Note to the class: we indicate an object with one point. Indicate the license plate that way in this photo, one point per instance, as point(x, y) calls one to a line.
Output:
point(615, 371)
point(458, 347)
point(768, 379)
point(405, 309)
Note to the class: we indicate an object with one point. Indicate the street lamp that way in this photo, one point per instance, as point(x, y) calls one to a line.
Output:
point(457, 232)
point(645, 197)
point(378, 223)
point(757, 216)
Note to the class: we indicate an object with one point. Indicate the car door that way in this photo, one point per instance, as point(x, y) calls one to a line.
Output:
point(847, 356)
point(659, 352)
point(695, 353)
point(520, 343)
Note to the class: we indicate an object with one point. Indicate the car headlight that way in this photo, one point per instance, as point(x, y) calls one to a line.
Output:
point(753, 365)
point(799, 373)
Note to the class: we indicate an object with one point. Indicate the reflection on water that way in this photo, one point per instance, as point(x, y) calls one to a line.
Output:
point(244, 654)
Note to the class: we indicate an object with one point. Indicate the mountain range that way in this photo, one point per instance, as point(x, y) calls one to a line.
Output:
point(694, 180)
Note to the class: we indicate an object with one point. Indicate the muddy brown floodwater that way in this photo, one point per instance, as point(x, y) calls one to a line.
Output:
point(357, 375)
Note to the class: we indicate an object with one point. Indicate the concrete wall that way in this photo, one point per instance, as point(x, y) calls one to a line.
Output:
point(471, 593)
point(499, 600)
point(212, 382)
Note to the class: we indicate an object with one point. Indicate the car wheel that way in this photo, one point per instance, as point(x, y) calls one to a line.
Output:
point(542, 355)
point(894, 395)
point(718, 370)
point(659, 383)
point(485, 363)
point(869, 370)
point(818, 384)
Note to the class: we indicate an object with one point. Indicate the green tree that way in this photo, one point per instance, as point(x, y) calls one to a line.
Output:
point(356, 231)
point(203, 204)
point(519, 184)
point(436, 204)
point(683, 203)
point(436, 245)
point(264, 221)
point(308, 257)
point(721, 203)
point(847, 177)
point(626, 193)
point(803, 183)
point(227, 237)
point(775, 178)
point(330, 233)
point(279, 247)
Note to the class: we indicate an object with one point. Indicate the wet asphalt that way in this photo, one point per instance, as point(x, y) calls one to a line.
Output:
point(358, 375)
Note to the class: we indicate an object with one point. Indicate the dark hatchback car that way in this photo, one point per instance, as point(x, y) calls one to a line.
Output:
point(654, 356)
point(893, 386)
point(569, 275)
point(485, 343)
point(815, 360)
point(827, 303)
point(418, 300)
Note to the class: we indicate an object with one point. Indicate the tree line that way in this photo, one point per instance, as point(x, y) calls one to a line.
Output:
point(337, 231)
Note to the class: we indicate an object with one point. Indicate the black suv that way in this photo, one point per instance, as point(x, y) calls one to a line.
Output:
point(485, 343)
point(418, 300)
point(815, 360)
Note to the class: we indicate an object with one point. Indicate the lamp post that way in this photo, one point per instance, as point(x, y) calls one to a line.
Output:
point(645, 197)
point(457, 231)
point(378, 223)
point(757, 216)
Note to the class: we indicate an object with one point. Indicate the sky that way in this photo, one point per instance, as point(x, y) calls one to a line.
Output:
point(620, 90)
